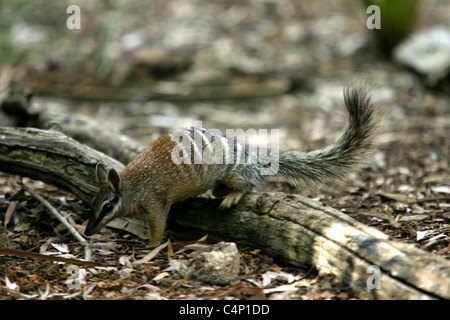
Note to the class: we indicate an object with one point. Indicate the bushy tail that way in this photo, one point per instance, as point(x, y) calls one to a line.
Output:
point(331, 165)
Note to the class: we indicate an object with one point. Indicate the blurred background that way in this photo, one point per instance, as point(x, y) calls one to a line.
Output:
point(200, 50)
point(145, 67)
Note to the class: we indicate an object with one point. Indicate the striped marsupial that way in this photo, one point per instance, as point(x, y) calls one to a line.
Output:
point(189, 162)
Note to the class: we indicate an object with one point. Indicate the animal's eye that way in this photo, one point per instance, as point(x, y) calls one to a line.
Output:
point(107, 207)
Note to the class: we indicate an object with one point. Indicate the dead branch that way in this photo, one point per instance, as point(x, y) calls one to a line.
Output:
point(57, 215)
point(292, 228)
point(91, 132)
point(38, 256)
point(302, 232)
point(52, 157)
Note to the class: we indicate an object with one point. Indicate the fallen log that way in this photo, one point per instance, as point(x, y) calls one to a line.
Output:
point(52, 157)
point(291, 228)
point(88, 131)
point(303, 232)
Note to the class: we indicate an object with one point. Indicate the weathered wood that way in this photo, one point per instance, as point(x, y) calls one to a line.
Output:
point(52, 157)
point(103, 137)
point(302, 232)
point(292, 228)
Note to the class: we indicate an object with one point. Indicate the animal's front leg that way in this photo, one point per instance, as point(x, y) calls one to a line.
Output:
point(156, 224)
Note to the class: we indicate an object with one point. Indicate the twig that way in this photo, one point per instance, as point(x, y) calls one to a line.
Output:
point(39, 256)
point(57, 215)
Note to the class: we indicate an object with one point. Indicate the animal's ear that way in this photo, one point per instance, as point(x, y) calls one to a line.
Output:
point(101, 173)
point(114, 181)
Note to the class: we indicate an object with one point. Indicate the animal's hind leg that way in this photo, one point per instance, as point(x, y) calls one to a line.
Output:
point(233, 187)
point(231, 199)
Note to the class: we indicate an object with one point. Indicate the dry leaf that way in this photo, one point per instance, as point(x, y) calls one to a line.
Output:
point(123, 260)
point(275, 268)
point(110, 284)
point(422, 234)
point(182, 245)
point(283, 276)
point(161, 276)
point(392, 220)
point(151, 255)
point(9, 212)
point(397, 197)
point(441, 189)
point(416, 217)
point(63, 248)
point(11, 285)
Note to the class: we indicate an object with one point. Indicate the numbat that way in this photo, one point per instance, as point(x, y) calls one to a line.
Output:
point(154, 179)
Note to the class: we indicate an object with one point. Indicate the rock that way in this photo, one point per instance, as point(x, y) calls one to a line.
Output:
point(220, 265)
point(427, 52)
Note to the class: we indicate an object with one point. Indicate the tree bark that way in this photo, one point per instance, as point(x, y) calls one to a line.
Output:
point(303, 232)
point(291, 228)
point(102, 137)
point(52, 157)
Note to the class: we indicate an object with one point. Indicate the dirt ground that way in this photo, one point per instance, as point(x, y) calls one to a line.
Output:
point(311, 49)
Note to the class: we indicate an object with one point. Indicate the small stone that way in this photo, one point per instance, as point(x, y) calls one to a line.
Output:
point(218, 266)
point(427, 52)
